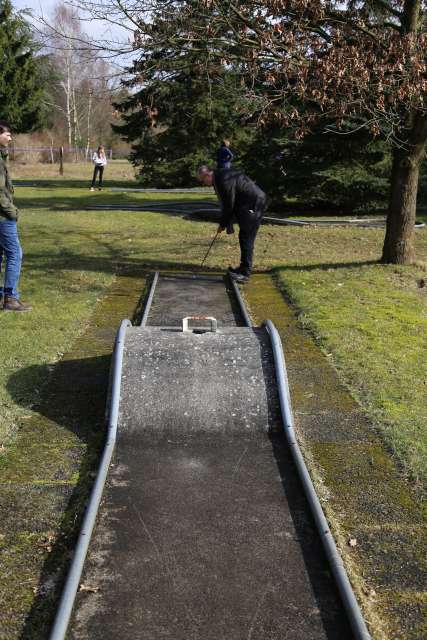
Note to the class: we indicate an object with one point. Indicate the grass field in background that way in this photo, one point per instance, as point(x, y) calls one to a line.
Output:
point(370, 319)
point(117, 170)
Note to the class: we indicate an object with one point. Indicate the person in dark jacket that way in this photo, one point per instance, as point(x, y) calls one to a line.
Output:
point(241, 198)
point(9, 239)
point(224, 156)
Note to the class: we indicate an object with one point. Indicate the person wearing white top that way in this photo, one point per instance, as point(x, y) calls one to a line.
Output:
point(99, 160)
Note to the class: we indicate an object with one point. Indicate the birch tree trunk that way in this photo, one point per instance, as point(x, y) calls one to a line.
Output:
point(75, 123)
point(89, 110)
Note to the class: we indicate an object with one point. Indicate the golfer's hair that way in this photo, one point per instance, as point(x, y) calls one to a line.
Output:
point(226, 142)
point(4, 126)
point(204, 168)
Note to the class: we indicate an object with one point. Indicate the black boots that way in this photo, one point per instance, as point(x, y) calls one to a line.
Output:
point(238, 275)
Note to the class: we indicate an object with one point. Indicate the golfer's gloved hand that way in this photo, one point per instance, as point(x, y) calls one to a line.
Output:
point(220, 229)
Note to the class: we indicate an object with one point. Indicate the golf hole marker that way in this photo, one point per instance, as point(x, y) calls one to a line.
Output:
point(212, 320)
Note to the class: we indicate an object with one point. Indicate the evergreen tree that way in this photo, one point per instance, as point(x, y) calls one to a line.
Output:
point(364, 59)
point(338, 172)
point(335, 173)
point(177, 124)
point(178, 112)
point(21, 79)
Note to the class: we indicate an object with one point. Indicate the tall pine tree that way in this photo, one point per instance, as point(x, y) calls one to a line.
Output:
point(21, 78)
point(176, 124)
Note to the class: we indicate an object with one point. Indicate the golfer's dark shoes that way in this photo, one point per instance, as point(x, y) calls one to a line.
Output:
point(232, 270)
point(241, 278)
point(13, 304)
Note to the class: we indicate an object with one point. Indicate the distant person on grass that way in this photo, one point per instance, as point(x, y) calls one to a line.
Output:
point(99, 160)
point(10, 247)
point(242, 198)
point(224, 156)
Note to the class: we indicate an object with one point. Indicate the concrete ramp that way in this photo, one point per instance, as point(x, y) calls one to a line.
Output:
point(204, 532)
point(177, 383)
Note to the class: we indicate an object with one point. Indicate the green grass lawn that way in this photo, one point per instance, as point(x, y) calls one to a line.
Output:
point(372, 322)
point(369, 318)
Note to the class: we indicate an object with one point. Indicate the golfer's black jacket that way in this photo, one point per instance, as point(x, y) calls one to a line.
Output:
point(239, 197)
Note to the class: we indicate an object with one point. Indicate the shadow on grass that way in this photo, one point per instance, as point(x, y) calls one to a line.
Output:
point(99, 198)
point(126, 265)
point(327, 266)
point(75, 203)
point(80, 412)
point(70, 183)
point(58, 450)
point(113, 261)
point(53, 195)
point(63, 205)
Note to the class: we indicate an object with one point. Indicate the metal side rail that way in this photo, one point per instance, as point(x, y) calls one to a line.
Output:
point(74, 574)
point(245, 315)
point(341, 578)
point(150, 299)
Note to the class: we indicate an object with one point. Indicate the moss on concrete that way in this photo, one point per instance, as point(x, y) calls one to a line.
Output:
point(48, 468)
point(364, 494)
point(410, 606)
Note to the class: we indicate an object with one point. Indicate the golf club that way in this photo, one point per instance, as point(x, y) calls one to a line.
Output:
point(210, 247)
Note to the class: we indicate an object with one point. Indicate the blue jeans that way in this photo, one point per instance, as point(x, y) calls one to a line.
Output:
point(11, 251)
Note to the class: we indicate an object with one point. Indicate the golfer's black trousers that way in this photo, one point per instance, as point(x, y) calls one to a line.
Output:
point(247, 235)
point(98, 169)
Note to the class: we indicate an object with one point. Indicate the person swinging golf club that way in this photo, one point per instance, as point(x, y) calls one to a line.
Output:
point(241, 198)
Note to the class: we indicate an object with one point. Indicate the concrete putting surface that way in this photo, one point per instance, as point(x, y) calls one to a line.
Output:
point(204, 532)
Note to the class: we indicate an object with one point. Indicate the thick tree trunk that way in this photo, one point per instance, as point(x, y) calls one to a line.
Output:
point(399, 239)
point(400, 233)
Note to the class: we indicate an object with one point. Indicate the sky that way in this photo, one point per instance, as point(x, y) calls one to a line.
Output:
point(97, 28)
point(34, 4)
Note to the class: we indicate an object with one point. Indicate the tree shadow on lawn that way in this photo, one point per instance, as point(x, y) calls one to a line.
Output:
point(53, 194)
point(114, 259)
point(327, 266)
point(70, 183)
point(68, 260)
point(98, 198)
point(72, 204)
point(124, 266)
point(56, 454)
point(63, 444)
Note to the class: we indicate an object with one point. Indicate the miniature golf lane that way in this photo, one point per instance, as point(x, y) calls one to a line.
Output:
point(204, 532)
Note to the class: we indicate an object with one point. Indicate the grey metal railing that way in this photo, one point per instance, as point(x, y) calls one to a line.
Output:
point(74, 574)
point(335, 561)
